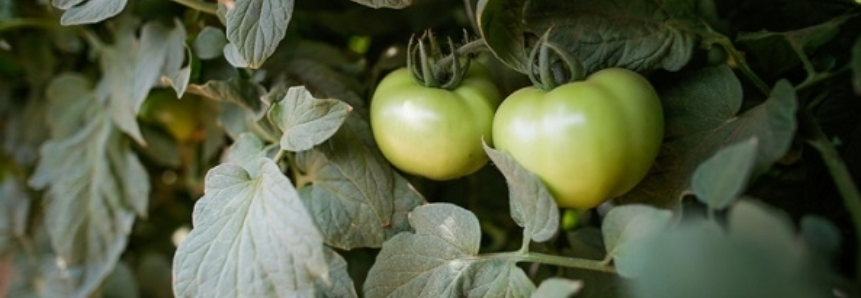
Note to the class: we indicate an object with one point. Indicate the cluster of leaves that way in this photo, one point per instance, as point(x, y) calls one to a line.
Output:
point(295, 189)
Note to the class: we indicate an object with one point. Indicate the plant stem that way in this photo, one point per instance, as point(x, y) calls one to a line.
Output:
point(727, 45)
point(471, 47)
point(821, 77)
point(199, 5)
point(840, 174)
point(595, 265)
point(29, 23)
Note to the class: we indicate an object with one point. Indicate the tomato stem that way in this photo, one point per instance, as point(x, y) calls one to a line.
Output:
point(570, 262)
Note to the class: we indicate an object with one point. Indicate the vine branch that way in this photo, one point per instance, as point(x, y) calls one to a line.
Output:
point(534, 257)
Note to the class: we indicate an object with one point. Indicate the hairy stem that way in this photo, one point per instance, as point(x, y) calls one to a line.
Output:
point(471, 47)
point(209, 8)
point(594, 265)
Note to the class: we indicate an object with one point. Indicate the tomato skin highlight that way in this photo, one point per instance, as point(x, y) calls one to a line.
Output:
point(588, 141)
point(432, 132)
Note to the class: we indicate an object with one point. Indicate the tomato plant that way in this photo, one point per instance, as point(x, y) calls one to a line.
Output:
point(589, 141)
point(434, 132)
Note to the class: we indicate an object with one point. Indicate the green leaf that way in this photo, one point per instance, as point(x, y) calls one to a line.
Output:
point(501, 26)
point(821, 236)
point(635, 34)
point(385, 3)
point(161, 53)
point(209, 43)
point(7, 10)
point(775, 53)
point(23, 130)
point(699, 259)
point(95, 185)
point(306, 121)
point(37, 274)
point(78, 12)
point(628, 231)
point(340, 284)
point(256, 27)
point(856, 66)
point(356, 198)
point(556, 287)
point(440, 260)
point(532, 206)
point(246, 151)
point(117, 84)
point(324, 82)
point(242, 92)
point(120, 283)
point(700, 110)
point(249, 228)
point(232, 55)
point(14, 211)
point(723, 177)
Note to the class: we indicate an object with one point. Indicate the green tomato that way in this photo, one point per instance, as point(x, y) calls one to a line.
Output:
point(432, 132)
point(588, 141)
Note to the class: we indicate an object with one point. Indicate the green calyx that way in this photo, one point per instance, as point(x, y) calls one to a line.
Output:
point(433, 69)
point(555, 66)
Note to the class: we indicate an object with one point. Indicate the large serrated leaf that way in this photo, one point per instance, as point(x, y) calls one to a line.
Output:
point(95, 186)
point(93, 11)
point(306, 121)
point(532, 206)
point(356, 198)
point(501, 26)
point(252, 238)
point(256, 27)
point(635, 34)
point(701, 117)
point(440, 260)
point(385, 3)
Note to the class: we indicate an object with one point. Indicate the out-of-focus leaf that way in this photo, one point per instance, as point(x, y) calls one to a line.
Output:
point(385, 3)
point(160, 54)
point(774, 53)
point(37, 274)
point(14, 210)
point(820, 235)
point(635, 34)
point(501, 26)
point(118, 79)
point(718, 181)
point(340, 284)
point(532, 206)
point(95, 185)
point(153, 274)
point(78, 12)
point(856, 66)
point(441, 260)
point(256, 27)
point(7, 10)
point(556, 287)
point(252, 237)
point(701, 117)
point(242, 92)
point(121, 283)
point(324, 82)
point(627, 230)
point(306, 121)
point(355, 197)
point(209, 43)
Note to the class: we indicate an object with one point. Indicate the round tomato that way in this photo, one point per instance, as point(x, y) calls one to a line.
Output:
point(588, 141)
point(432, 132)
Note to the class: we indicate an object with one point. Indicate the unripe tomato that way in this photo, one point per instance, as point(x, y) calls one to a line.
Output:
point(588, 141)
point(432, 132)
point(179, 117)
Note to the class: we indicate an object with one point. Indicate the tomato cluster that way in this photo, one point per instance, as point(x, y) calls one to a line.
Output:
point(588, 141)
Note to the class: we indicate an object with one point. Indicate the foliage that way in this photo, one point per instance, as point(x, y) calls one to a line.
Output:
point(269, 181)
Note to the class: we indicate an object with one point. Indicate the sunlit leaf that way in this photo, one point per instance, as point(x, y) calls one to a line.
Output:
point(355, 197)
point(532, 206)
point(256, 27)
point(627, 231)
point(306, 121)
point(252, 237)
point(95, 184)
point(722, 178)
point(634, 34)
point(78, 12)
point(440, 260)
point(557, 288)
